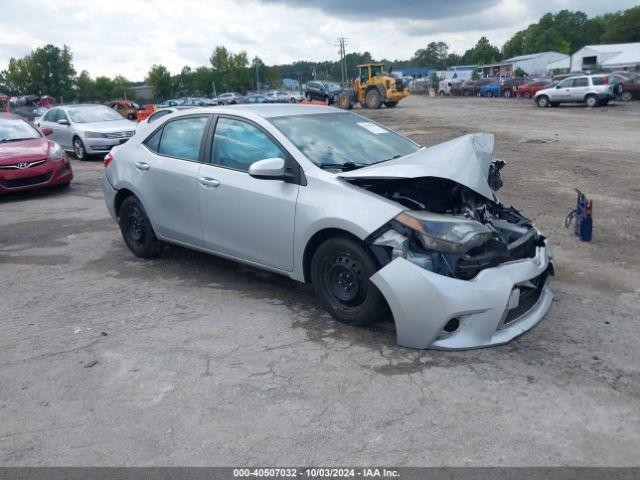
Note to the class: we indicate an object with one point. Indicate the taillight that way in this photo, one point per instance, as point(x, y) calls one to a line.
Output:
point(606, 80)
point(108, 158)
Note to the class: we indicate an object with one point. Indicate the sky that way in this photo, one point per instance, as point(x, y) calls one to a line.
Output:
point(126, 37)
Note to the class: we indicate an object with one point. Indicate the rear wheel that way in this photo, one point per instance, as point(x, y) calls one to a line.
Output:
point(526, 95)
point(326, 99)
point(307, 96)
point(591, 101)
point(626, 96)
point(340, 272)
point(136, 229)
point(542, 101)
point(489, 94)
point(508, 93)
point(373, 99)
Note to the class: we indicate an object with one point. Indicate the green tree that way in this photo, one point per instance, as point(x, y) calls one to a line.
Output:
point(435, 55)
point(85, 87)
point(103, 89)
point(231, 70)
point(159, 79)
point(120, 88)
point(482, 53)
point(44, 71)
point(623, 28)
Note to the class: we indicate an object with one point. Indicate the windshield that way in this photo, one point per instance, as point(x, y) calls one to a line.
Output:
point(376, 70)
point(341, 138)
point(93, 114)
point(331, 85)
point(12, 130)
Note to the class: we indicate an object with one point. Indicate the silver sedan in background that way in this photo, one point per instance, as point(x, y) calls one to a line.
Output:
point(374, 221)
point(87, 129)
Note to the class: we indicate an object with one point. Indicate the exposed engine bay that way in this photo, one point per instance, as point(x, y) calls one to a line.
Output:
point(450, 229)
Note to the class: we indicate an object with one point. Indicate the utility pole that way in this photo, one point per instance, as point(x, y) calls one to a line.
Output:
point(341, 43)
point(257, 62)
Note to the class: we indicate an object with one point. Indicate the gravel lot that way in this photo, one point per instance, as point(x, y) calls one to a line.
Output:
point(106, 359)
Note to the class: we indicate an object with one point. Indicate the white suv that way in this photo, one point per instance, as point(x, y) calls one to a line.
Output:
point(592, 90)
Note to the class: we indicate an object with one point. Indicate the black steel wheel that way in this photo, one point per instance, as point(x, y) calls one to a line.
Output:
point(340, 272)
point(136, 229)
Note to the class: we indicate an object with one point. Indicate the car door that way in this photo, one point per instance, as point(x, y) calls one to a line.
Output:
point(579, 88)
point(242, 216)
point(562, 92)
point(65, 131)
point(166, 176)
point(50, 120)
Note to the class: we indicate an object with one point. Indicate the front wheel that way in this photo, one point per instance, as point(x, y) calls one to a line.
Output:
point(340, 271)
point(79, 150)
point(345, 101)
point(626, 96)
point(489, 94)
point(307, 96)
point(526, 95)
point(508, 93)
point(373, 99)
point(136, 229)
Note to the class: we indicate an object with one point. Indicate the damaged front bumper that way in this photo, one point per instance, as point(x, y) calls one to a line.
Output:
point(433, 311)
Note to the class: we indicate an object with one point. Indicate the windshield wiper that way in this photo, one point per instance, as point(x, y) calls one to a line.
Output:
point(345, 167)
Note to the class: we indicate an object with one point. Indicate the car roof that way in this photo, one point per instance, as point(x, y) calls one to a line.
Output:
point(81, 105)
point(270, 110)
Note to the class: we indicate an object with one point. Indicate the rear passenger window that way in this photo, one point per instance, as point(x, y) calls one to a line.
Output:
point(581, 82)
point(153, 142)
point(598, 80)
point(182, 138)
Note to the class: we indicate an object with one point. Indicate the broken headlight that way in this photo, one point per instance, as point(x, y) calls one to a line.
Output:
point(445, 233)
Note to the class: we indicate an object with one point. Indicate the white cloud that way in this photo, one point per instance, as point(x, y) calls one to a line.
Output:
point(116, 37)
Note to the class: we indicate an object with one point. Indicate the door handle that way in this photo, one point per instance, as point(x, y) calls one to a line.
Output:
point(142, 166)
point(209, 182)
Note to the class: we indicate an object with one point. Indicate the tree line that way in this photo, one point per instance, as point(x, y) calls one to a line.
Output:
point(49, 69)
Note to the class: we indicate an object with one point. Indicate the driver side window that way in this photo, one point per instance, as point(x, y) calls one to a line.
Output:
point(51, 115)
point(238, 144)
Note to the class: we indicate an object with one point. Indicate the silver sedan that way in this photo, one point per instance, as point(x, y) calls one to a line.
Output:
point(375, 222)
point(87, 129)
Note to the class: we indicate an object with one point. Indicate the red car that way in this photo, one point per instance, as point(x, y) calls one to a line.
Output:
point(28, 159)
point(530, 89)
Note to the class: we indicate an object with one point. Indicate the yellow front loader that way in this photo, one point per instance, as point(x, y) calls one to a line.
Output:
point(373, 88)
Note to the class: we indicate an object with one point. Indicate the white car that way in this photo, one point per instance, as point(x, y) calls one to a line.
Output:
point(372, 220)
point(592, 90)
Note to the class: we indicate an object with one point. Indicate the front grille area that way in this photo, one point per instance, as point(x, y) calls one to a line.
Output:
point(127, 134)
point(528, 297)
point(27, 181)
point(22, 165)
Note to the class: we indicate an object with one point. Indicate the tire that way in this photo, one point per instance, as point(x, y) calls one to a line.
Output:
point(441, 93)
point(307, 96)
point(542, 101)
point(136, 229)
point(292, 100)
point(626, 96)
point(78, 149)
point(390, 104)
point(373, 100)
point(345, 101)
point(508, 93)
point(489, 94)
point(526, 95)
point(340, 272)
point(326, 99)
point(591, 101)
point(64, 186)
point(604, 103)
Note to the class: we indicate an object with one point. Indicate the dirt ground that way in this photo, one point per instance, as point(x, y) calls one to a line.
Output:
point(187, 359)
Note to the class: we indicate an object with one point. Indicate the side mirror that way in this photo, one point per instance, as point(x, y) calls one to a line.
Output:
point(268, 169)
point(47, 131)
point(558, 87)
point(63, 121)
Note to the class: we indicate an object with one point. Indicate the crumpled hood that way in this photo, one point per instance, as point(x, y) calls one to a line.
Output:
point(465, 160)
